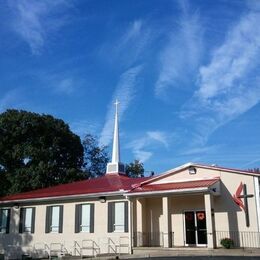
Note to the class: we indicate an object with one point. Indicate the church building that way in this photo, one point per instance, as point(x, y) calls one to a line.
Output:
point(193, 205)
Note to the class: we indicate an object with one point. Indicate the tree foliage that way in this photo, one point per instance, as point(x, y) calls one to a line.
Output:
point(36, 151)
point(254, 170)
point(95, 157)
point(135, 169)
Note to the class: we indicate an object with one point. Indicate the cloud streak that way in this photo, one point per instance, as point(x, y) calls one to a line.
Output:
point(129, 47)
point(34, 20)
point(10, 99)
point(141, 145)
point(125, 92)
point(228, 85)
point(181, 56)
point(65, 86)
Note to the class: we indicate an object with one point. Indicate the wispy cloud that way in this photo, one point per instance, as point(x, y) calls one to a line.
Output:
point(66, 86)
point(125, 92)
point(33, 20)
point(83, 127)
point(158, 136)
point(200, 150)
point(228, 87)
point(181, 56)
point(129, 47)
point(142, 146)
point(251, 162)
point(10, 99)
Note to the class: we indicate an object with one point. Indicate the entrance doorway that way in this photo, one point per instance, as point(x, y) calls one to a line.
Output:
point(195, 228)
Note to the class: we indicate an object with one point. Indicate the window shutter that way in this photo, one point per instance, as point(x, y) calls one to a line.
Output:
point(61, 220)
point(111, 217)
point(8, 221)
point(48, 219)
point(1, 215)
point(21, 220)
point(33, 220)
point(78, 216)
point(126, 216)
point(92, 218)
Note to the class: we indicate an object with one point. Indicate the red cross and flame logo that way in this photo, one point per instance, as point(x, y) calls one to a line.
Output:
point(237, 196)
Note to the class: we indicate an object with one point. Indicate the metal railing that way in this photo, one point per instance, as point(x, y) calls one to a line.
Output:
point(241, 239)
point(152, 239)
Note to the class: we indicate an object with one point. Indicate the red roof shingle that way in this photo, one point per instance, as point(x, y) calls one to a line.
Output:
point(104, 184)
point(175, 185)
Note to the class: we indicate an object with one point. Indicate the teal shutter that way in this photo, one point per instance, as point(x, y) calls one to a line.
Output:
point(61, 220)
point(8, 221)
point(21, 220)
point(92, 218)
point(78, 216)
point(111, 217)
point(33, 220)
point(48, 219)
point(126, 216)
point(1, 215)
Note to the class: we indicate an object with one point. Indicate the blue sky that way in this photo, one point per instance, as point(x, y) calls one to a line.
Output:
point(186, 74)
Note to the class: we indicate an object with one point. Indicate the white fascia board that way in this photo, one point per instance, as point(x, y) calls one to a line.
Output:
point(257, 200)
point(189, 164)
point(67, 197)
point(194, 190)
point(163, 174)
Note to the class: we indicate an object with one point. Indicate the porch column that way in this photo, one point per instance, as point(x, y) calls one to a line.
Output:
point(166, 222)
point(140, 220)
point(208, 200)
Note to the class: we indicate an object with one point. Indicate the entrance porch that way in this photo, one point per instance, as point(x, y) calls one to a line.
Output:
point(173, 221)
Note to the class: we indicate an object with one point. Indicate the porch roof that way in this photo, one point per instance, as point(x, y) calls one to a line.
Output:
point(186, 186)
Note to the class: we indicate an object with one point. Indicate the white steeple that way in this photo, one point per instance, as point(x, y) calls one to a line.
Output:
point(115, 166)
point(116, 151)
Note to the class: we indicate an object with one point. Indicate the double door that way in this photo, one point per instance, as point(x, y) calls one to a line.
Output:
point(195, 228)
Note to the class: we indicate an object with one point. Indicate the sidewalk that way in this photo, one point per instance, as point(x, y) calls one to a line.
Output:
point(178, 252)
point(147, 252)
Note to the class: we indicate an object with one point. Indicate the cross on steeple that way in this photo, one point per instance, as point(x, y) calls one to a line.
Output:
point(116, 104)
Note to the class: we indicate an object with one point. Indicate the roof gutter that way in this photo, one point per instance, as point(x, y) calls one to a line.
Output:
point(68, 197)
point(143, 193)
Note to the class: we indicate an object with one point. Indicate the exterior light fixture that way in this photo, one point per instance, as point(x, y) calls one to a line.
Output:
point(192, 170)
point(102, 199)
point(16, 206)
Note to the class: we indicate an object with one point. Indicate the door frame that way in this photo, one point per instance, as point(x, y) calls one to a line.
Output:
point(196, 231)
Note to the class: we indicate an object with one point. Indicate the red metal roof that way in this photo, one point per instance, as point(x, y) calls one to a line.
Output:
point(104, 184)
point(175, 186)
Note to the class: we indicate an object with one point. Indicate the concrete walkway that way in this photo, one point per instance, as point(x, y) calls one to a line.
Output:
point(196, 253)
point(148, 252)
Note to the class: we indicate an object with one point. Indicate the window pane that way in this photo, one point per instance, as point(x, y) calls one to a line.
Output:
point(85, 218)
point(28, 219)
point(119, 216)
point(55, 219)
point(4, 220)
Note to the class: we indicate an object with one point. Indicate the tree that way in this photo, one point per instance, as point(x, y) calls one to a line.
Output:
point(95, 157)
point(135, 169)
point(255, 170)
point(37, 151)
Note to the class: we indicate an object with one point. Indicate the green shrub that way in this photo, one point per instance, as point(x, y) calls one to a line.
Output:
point(227, 242)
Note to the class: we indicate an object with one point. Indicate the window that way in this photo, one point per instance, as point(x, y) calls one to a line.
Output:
point(84, 218)
point(4, 220)
point(27, 219)
point(118, 216)
point(54, 219)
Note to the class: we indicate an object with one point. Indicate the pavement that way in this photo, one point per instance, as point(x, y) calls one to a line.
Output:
point(195, 254)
